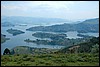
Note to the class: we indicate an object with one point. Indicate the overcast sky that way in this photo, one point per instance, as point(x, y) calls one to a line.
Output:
point(71, 10)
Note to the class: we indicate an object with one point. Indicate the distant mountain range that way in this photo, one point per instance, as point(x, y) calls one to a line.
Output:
point(31, 20)
point(7, 24)
point(90, 25)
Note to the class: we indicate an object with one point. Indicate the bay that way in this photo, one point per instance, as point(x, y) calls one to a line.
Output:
point(18, 40)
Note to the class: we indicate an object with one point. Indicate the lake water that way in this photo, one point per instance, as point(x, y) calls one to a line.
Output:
point(18, 40)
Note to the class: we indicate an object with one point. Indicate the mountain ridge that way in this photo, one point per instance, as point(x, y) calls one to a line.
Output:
point(82, 27)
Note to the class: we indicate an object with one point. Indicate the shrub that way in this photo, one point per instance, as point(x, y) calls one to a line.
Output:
point(19, 62)
point(24, 64)
point(27, 59)
point(24, 56)
point(32, 60)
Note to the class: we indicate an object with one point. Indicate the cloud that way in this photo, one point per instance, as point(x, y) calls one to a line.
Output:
point(51, 4)
point(44, 5)
point(14, 7)
point(10, 7)
point(62, 9)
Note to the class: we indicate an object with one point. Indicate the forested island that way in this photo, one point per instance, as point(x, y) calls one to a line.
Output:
point(15, 32)
point(56, 39)
point(49, 35)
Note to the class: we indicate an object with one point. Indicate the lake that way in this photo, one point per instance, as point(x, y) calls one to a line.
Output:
point(18, 40)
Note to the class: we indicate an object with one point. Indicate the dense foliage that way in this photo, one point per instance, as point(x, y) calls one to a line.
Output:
point(49, 35)
point(14, 31)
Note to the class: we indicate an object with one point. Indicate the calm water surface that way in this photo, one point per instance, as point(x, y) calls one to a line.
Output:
point(18, 40)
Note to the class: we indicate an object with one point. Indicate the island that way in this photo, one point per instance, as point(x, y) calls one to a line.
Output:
point(15, 32)
point(49, 35)
point(56, 39)
point(3, 38)
point(89, 25)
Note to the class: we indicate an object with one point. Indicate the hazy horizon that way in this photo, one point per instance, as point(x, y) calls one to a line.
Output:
point(70, 10)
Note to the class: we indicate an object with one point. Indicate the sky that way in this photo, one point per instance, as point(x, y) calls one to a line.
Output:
point(71, 10)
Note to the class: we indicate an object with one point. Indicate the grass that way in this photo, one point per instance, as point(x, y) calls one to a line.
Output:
point(50, 60)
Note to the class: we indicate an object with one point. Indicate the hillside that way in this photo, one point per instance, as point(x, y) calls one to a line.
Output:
point(31, 50)
point(7, 24)
point(91, 25)
point(86, 55)
point(32, 20)
point(91, 21)
point(85, 47)
point(50, 60)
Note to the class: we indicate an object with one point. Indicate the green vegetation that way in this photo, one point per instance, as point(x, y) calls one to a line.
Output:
point(3, 38)
point(31, 50)
point(95, 48)
point(6, 52)
point(14, 32)
point(49, 35)
point(51, 60)
point(83, 54)
point(85, 47)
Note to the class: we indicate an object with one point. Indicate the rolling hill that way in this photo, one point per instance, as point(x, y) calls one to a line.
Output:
point(90, 25)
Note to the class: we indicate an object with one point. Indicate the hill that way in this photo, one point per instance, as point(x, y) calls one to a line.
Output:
point(7, 24)
point(50, 60)
point(31, 50)
point(27, 56)
point(85, 47)
point(31, 20)
point(91, 25)
point(91, 21)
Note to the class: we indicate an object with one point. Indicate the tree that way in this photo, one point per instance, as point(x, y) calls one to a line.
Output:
point(95, 49)
point(6, 51)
